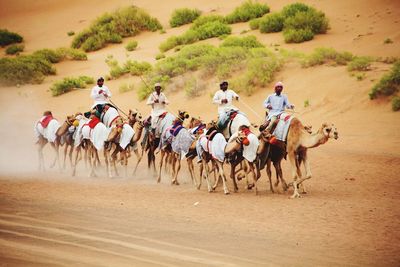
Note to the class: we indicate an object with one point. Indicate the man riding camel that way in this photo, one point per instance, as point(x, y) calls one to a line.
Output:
point(101, 95)
point(223, 98)
point(158, 101)
point(276, 104)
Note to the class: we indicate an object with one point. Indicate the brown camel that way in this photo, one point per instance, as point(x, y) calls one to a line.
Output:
point(298, 141)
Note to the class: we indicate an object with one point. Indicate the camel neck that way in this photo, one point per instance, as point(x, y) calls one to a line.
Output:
point(314, 140)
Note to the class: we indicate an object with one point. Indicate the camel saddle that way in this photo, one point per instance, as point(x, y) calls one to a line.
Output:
point(221, 125)
point(93, 122)
point(46, 120)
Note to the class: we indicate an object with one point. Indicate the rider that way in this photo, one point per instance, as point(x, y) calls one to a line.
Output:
point(100, 94)
point(276, 104)
point(158, 101)
point(223, 98)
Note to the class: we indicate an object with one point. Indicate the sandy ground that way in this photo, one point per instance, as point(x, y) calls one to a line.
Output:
point(349, 218)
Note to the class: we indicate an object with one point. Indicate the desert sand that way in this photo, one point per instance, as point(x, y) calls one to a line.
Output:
point(350, 216)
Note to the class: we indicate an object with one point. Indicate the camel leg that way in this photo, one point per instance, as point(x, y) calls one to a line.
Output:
point(191, 170)
point(177, 159)
point(216, 174)
point(77, 152)
point(161, 163)
point(65, 156)
point(232, 175)
point(92, 159)
point(173, 165)
point(56, 157)
point(223, 177)
point(279, 176)
point(139, 157)
point(295, 174)
point(207, 174)
point(252, 171)
point(114, 158)
point(42, 142)
point(71, 151)
point(125, 162)
point(269, 174)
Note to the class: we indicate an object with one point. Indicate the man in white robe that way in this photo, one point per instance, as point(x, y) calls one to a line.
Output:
point(158, 101)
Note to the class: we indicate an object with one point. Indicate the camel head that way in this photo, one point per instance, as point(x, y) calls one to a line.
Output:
point(117, 130)
point(194, 122)
point(134, 116)
point(329, 130)
point(182, 115)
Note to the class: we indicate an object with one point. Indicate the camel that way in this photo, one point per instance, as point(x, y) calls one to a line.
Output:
point(272, 153)
point(51, 134)
point(298, 141)
point(233, 126)
point(215, 146)
point(172, 147)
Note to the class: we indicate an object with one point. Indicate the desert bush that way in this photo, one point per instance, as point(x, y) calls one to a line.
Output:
point(70, 33)
point(306, 103)
point(249, 41)
point(396, 103)
point(112, 27)
point(24, 69)
point(247, 11)
point(72, 53)
point(255, 23)
point(292, 9)
point(183, 16)
point(202, 29)
point(14, 49)
point(69, 83)
point(131, 45)
point(7, 37)
point(326, 55)
point(389, 84)
point(146, 88)
point(271, 23)
point(132, 67)
point(297, 35)
point(205, 19)
point(125, 87)
point(160, 56)
point(50, 55)
point(359, 64)
point(193, 88)
point(311, 19)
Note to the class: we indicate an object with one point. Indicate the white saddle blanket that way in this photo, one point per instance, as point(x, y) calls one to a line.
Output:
point(98, 135)
point(49, 133)
point(282, 128)
point(110, 116)
point(126, 136)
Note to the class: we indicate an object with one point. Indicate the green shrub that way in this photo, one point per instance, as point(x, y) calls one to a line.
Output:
point(203, 28)
point(7, 37)
point(126, 87)
point(51, 55)
point(14, 49)
point(297, 35)
point(111, 28)
point(146, 88)
point(183, 16)
point(205, 19)
point(132, 67)
point(359, 64)
point(247, 11)
point(325, 55)
point(72, 53)
point(131, 45)
point(306, 103)
point(255, 23)
point(24, 69)
point(70, 33)
point(292, 9)
point(70, 83)
point(312, 20)
point(389, 84)
point(396, 103)
point(160, 56)
point(271, 23)
point(249, 41)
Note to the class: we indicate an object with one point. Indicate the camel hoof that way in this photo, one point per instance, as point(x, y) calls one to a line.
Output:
point(297, 195)
point(304, 192)
point(250, 186)
point(226, 193)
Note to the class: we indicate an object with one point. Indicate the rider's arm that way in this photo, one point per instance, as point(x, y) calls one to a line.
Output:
point(150, 100)
point(166, 100)
point(287, 104)
point(216, 99)
point(236, 96)
point(108, 92)
point(267, 102)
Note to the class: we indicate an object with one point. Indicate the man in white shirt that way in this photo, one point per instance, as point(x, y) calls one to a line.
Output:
point(157, 100)
point(223, 98)
point(276, 104)
point(100, 93)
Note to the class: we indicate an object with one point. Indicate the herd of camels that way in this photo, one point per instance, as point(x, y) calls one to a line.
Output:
point(179, 137)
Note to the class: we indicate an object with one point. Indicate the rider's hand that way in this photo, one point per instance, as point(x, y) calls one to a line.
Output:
point(156, 101)
point(100, 92)
point(292, 106)
point(163, 102)
point(105, 94)
point(269, 106)
point(224, 101)
point(237, 98)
